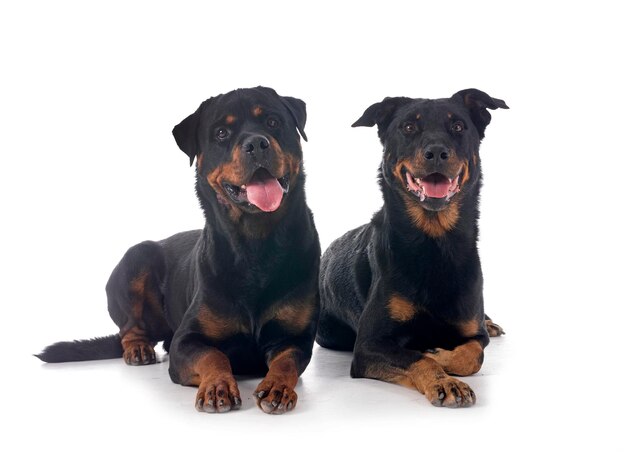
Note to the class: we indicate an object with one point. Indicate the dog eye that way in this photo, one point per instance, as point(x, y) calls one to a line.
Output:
point(272, 122)
point(222, 133)
point(458, 126)
point(409, 128)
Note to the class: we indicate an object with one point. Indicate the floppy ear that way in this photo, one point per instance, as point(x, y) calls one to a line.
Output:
point(297, 108)
point(186, 133)
point(381, 113)
point(477, 102)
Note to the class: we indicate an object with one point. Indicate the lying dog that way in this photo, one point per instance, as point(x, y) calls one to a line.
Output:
point(241, 295)
point(405, 291)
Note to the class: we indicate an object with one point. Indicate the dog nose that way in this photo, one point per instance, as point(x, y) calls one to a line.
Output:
point(436, 152)
point(255, 143)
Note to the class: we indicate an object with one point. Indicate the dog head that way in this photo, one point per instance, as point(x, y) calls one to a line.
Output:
point(247, 149)
point(431, 145)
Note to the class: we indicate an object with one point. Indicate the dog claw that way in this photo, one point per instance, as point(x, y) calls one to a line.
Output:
point(138, 354)
point(275, 397)
point(218, 396)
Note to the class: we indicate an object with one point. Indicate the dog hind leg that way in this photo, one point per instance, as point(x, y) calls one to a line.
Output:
point(135, 302)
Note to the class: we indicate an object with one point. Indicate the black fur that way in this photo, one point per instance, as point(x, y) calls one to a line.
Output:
point(435, 269)
point(97, 348)
point(221, 287)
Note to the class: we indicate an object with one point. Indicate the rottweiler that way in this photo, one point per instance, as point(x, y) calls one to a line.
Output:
point(241, 295)
point(404, 292)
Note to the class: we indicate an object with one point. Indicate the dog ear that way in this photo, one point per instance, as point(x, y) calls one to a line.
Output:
point(477, 102)
point(297, 108)
point(186, 133)
point(381, 113)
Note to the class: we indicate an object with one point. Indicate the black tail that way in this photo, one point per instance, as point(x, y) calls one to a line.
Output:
point(84, 350)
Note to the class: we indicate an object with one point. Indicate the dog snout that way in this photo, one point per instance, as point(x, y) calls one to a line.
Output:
point(255, 144)
point(436, 153)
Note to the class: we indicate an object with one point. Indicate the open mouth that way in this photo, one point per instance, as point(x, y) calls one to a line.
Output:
point(263, 190)
point(435, 185)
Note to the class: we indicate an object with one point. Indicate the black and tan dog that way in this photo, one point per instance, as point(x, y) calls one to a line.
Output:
point(241, 295)
point(405, 291)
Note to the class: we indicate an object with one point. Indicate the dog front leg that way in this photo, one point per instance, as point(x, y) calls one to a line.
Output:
point(286, 337)
point(193, 363)
point(385, 360)
point(276, 394)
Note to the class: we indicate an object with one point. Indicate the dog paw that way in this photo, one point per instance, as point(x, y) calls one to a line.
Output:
point(139, 354)
point(494, 329)
point(451, 393)
point(218, 396)
point(273, 397)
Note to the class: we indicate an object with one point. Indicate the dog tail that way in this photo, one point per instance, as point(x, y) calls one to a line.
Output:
point(84, 350)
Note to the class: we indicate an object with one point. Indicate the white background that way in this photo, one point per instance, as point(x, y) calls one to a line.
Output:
point(89, 95)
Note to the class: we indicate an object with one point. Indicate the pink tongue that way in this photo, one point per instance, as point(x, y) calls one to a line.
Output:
point(264, 191)
point(436, 187)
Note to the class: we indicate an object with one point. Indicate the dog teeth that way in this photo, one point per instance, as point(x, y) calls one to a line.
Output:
point(421, 192)
point(451, 193)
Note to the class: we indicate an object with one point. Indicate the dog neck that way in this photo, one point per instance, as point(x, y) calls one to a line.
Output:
point(410, 225)
point(231, 233)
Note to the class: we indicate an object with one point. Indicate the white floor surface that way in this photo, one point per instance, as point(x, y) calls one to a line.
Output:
point(107, 405)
